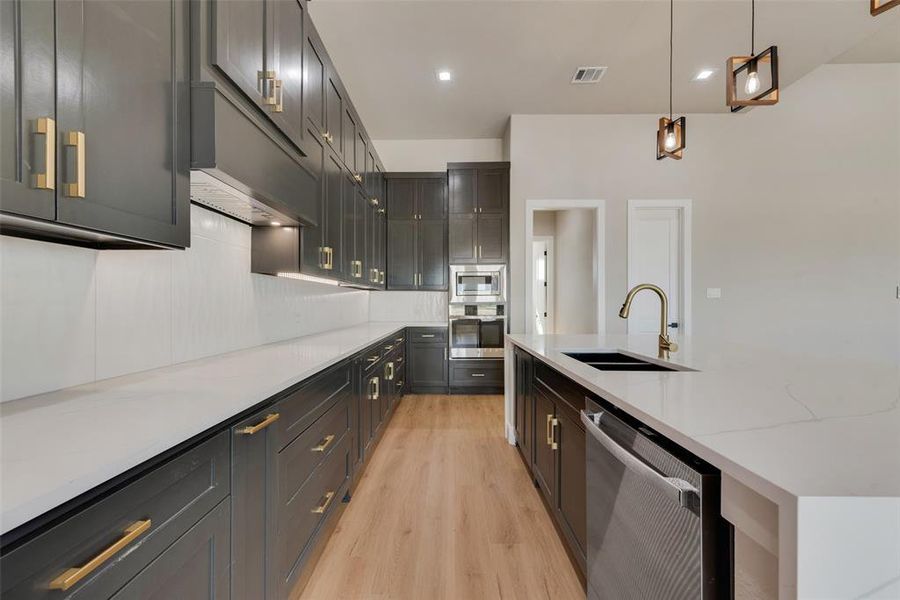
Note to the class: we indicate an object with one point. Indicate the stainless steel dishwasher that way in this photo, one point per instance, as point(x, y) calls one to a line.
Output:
point(654, 528)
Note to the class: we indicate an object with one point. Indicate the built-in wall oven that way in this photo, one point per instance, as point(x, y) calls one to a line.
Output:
point(478, 284)
point(477, 330)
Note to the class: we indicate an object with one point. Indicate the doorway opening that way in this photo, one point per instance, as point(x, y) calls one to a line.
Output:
point(565, 278)
point(659, 252)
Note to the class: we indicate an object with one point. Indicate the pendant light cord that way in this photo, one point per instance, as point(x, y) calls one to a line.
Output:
point(752, 27)
point(671, 50)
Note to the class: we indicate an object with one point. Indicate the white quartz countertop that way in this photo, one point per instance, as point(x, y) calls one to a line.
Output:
point(56, 446)
point(789, 426)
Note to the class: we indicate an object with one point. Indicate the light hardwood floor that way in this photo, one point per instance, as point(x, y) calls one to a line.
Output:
point(445, 510)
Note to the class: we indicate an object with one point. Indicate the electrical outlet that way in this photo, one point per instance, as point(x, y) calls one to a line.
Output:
point(713, 292)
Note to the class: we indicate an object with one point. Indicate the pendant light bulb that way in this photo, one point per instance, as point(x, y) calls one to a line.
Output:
point(752, 85)
point(670, 139)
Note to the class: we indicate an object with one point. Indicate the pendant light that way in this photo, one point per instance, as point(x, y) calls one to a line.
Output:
point(879, 6)
point(670, 136)
point(750, 93)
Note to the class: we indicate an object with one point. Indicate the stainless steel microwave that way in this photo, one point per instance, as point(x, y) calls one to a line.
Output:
point(477, 283)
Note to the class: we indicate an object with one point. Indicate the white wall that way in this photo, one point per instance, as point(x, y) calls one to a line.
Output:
point(575, 294)
point(433, 155)
point(545, 223)
point(805, 244)
point(72, 315)
point(425, 307)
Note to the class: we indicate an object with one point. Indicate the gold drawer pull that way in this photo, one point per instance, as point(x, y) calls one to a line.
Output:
point(251, 429)
point(553, 425)
point(72, 576)
point(477, 374)
point(75, 139)
point(549, 433)
point(46, 127)
point(326, 441)
point(278, 96)
point(324, 506)
point(399, 340)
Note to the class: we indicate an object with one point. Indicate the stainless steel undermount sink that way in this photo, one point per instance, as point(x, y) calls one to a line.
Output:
point(617, 361)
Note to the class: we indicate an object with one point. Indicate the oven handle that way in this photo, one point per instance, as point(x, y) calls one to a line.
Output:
point(677, 490)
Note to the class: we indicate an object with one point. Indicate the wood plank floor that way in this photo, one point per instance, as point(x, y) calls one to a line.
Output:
point(445, 510)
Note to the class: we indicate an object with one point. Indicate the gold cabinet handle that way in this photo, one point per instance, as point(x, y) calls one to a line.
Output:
point(326, 441)
point(398, 340)
point(324, 506)
point(381, 211)
point(389, 371)
point(72, 576)
point(374, 385)
point(325, 136)
point(46, 127)
point(277, 96)
point(373, 201)
point(399, 359)
point(554, 424)
point(549, 433)
point(265, 84)
point(75, 139)
point(251, 429)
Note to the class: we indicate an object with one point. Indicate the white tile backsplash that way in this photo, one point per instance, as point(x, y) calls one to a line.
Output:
point(71, 315)
point(408, 306)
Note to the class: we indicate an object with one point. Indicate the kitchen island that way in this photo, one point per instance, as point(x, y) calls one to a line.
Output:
point(808, 448)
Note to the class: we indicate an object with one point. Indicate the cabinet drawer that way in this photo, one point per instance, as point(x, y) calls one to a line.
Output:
point(476, 373)
point(428, 335)
point(299, 459)
point(96, 551)
point(297, 521)
point(302, 407)
point(559, 386)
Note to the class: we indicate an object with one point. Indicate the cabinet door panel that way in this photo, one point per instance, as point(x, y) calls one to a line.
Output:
point(492, 238)
point(334, 112)
point(432, 242)
point(349, 132)
point(462, 191)
point(27, 93)
point(239, 44)
point(334, 224)
point(124, 82)
point(195, 566)
point(463, 236)
point(428, 365)
point(492, 190)
point(524, 406)
point(571, 499)
point(432, 198)
point(361, 220)
point(401, 199)
point(313, 236)
point(287, 26)
point(362, 148)
point(401, 259)
point(544, 455)
point(371, 177)
point(314, 82)
point(348, 249)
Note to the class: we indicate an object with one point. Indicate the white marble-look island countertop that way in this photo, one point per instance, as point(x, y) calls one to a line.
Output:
point(817, 439)
point(55, 446)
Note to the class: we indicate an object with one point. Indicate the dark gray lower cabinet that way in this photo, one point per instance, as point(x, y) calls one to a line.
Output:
point(428, 369)
point(524, 406)
point(481, 376)
point(196, 566)
point(243, 514)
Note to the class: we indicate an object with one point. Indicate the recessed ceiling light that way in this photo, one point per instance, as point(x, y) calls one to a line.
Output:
point(444, 75)
point(704, 74)
point(275, 224)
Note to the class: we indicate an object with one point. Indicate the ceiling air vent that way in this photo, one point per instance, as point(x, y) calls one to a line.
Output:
point(588, 74)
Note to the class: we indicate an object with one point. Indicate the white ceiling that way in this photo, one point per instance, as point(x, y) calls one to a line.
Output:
point(517, 57)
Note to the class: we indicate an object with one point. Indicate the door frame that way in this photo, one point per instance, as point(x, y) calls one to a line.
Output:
point(685, 209)
point(551, 273)
point(599, 207)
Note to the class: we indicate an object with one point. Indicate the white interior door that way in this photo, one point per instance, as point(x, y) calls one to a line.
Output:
point(542, 285)
point(655, 251)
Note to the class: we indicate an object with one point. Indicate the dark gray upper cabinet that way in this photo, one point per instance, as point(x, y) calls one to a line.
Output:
point(479, 212)
point(27, 109)
point(259, 46)
point(334, 225)
point(463, 230)
point(362, 148)
point(314, 69)
point(349, 143)
point(462, 191)
point(492, 242)
point(287, 19)
point(313, 237)
point(417, 231)
point(401, 251)
point(355, 239)
point(376, 228)
point(120, 142)
point(334, 112)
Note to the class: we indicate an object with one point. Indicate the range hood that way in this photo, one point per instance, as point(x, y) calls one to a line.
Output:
point(242, 166)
